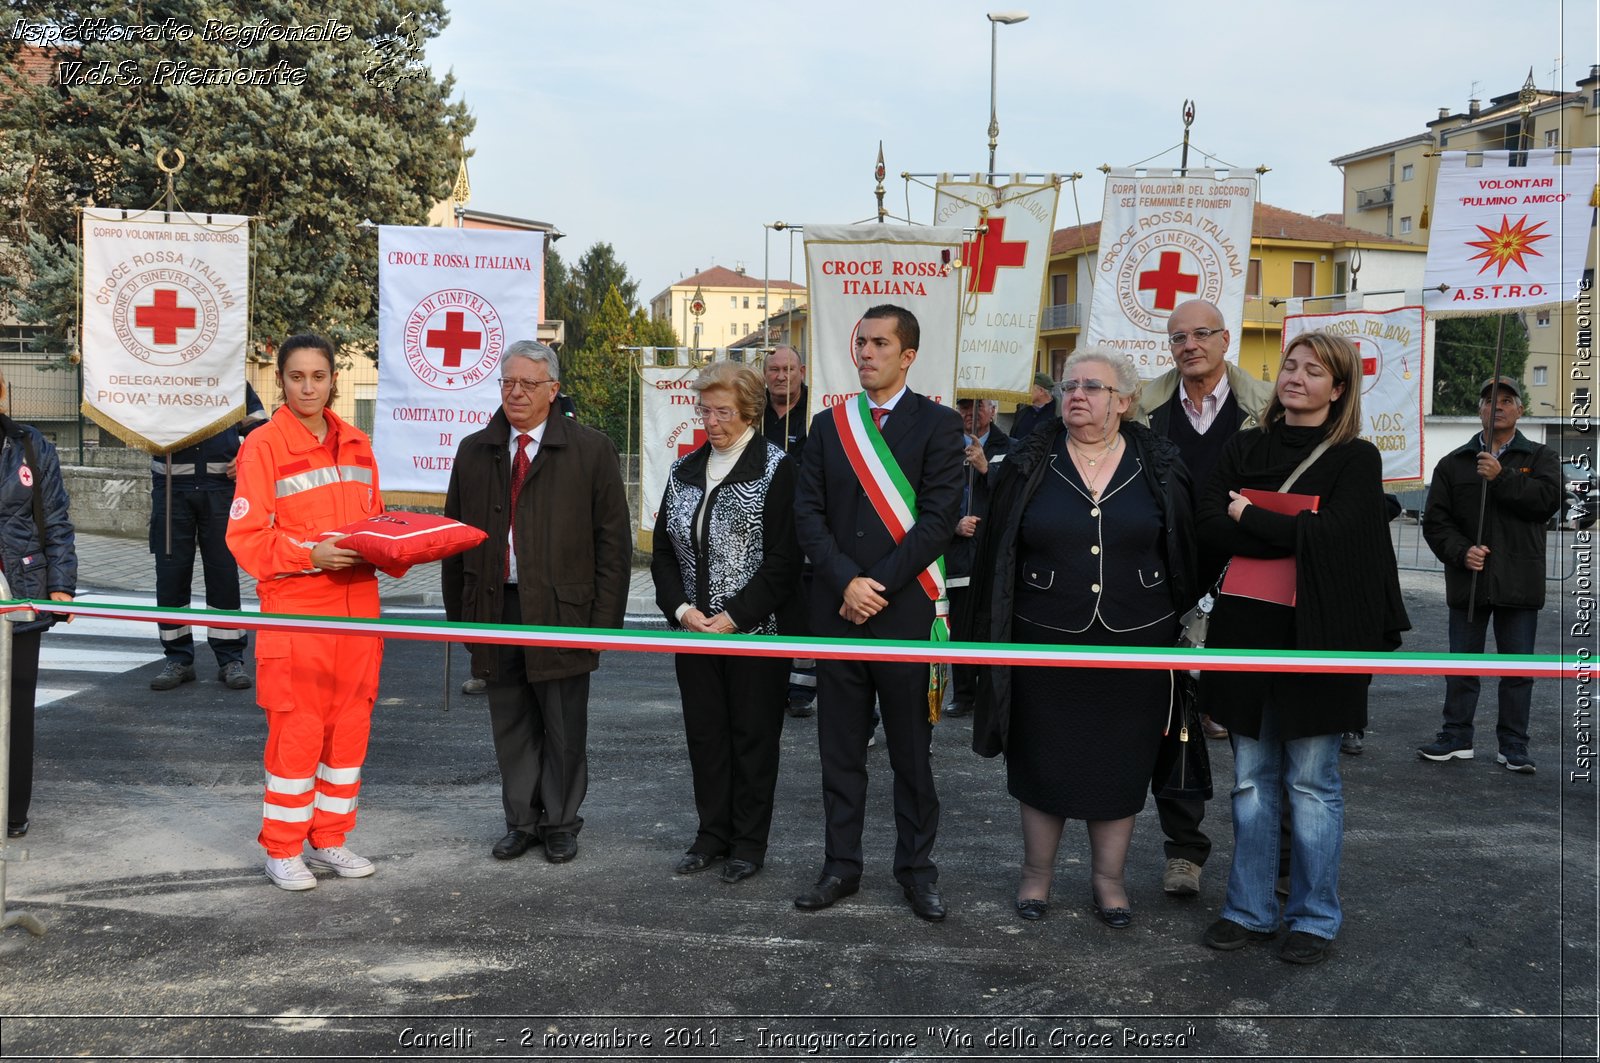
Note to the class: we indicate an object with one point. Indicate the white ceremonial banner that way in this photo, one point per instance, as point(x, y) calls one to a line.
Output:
point(166, 314)
point(450, 301)
point(1508, 238)
point(1392, 384)
point(1003, 296)
point(852, 268)
point(668, 431)
point(1166, 239)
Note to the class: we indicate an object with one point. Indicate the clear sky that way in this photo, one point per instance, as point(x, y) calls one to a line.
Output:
point(676, 131)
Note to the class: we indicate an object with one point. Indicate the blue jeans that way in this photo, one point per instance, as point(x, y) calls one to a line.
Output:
point(1514, 631)
point(1308, 770)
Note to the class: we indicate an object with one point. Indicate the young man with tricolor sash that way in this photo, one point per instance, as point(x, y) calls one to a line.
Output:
point(879, 494)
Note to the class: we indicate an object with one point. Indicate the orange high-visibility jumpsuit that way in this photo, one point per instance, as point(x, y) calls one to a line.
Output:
point(318, 690)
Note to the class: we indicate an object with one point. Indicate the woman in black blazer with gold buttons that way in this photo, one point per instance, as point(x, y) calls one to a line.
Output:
point(1090, 541)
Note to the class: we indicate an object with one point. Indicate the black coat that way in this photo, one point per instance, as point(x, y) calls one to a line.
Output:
point(1029, 417)
point(994, 579)
point(788, 431)
point(34, 569)
point(1522, 498)
point(574, 540)
point(843, 537)
point(1347, 594)
point(767, 596)
point(958, 560)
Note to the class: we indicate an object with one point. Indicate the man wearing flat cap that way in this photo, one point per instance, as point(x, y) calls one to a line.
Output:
point(1041, 410)
point(1493, 565)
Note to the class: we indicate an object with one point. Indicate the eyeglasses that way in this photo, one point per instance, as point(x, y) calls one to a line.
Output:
point(715, 413)
point(1091, 388)
point(1200, 335)
point(511, 385)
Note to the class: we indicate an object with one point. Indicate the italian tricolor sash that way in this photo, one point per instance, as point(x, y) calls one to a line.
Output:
point(895, 502)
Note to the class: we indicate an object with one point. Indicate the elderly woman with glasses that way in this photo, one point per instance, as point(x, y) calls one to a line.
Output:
point(1090, 541)
point(726, 560)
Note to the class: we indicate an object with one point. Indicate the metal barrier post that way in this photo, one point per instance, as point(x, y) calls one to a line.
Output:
point(8, 852)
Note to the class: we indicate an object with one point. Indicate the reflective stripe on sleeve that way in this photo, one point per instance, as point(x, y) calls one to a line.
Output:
point(188, 468)
point(306, 481)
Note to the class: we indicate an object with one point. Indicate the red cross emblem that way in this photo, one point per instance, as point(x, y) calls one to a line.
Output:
point(454, 338)
point(1369, 363)
point(695, 440)
point(1167, 280)
point(164, 317)
point(992, 251)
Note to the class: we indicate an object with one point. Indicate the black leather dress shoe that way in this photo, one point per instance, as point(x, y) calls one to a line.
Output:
point(1032, 908)
point(560, 846)
point(1115, 918)
point(738, 870)
point(692, 862)
point(16, 830)
point(925, 901)
point(514, 844)
point(829, 890)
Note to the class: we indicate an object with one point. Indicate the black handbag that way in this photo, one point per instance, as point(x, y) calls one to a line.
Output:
point(1183, 764)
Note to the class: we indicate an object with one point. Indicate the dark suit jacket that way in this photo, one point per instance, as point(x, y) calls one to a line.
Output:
point(574, 540)
point(841, 533)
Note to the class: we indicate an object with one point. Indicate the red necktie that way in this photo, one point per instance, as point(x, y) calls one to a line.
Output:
point(519, 473)
point(879, 415)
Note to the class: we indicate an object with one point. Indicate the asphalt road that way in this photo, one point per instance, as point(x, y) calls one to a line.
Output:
point(1470, 898)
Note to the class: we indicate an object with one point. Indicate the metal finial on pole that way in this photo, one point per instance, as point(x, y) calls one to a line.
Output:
point(171, 172)
point(878, 173)
point(1188, 120)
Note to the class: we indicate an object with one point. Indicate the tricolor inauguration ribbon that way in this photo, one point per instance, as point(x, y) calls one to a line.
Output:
point(1546, 666)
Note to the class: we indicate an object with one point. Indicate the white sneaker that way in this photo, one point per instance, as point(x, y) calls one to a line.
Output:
point(341, 862)
point(290, 873)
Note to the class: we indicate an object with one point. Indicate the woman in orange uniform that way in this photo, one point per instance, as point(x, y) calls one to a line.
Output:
point(302, 474)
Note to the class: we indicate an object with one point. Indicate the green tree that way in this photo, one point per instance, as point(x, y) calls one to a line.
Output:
point(597, 299)
point(599, 375)
point(648, 332)
point(596, 273)
point(1464, 358)
point(556, 304)
point(310, 161)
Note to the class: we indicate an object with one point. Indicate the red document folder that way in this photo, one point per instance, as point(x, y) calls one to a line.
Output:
point(1267, 579)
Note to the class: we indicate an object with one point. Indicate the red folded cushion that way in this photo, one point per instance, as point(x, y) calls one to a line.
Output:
point(394, 541)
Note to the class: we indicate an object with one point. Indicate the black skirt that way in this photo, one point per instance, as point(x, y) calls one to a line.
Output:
point(1083, 741)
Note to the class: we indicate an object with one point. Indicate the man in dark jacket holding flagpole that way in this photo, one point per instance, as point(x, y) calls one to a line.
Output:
point(1493, 565)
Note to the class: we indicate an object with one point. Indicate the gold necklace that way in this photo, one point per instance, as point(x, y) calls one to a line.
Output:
point(1093, 482)
point(1083, 452)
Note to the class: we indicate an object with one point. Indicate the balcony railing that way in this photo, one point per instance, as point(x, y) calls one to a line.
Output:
point(1381, 196)
point(1063, 315)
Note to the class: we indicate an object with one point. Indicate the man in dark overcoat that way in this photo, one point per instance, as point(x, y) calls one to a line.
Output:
point(548, 491)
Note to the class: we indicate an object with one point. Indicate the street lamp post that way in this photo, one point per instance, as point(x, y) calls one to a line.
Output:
point(1010, 18)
